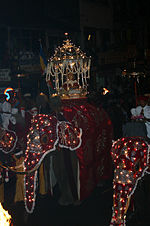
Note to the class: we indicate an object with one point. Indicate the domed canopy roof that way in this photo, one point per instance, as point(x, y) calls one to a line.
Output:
point(69, 67)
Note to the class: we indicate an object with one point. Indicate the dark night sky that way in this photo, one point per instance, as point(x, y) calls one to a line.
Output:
point(41, 12)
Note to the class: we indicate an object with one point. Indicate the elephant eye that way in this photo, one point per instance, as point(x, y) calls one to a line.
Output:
point(44, 139)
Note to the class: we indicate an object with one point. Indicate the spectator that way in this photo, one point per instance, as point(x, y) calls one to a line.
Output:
point(42, 103)
point(2, 100)
point(28, 101)
point(7, 113)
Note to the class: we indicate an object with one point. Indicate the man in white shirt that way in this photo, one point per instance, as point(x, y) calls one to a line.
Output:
point(138, 112)
point(147, 119)
point(2, 100)
point(6, 112)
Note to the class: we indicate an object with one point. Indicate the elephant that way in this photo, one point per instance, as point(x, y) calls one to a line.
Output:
point(83, 139)
point(93, 156)
point(44, 134)
point(131, 162)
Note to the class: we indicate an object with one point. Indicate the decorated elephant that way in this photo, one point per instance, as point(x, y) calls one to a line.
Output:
point(79, 133)
point(86, 132)
point(93, 156)
point(44, 134)
point(67, 76)
point(131, 162)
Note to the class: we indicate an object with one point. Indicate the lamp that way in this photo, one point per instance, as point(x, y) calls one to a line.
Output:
point(134, 70)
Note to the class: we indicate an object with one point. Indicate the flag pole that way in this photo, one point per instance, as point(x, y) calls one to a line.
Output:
point(135, 91)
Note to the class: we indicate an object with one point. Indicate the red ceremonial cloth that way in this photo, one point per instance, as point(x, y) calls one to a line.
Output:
point(94, 157)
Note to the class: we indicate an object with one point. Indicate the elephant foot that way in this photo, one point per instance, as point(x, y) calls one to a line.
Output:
point(77, 203)
point(63, 202)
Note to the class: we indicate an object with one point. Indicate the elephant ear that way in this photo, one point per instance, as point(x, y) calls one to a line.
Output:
point(69, 135)
point(41, 140)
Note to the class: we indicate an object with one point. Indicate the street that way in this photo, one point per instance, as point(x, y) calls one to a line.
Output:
point(95, 211)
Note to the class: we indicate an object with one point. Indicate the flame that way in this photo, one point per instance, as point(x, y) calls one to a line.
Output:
point(105, 91)
point(5, 218)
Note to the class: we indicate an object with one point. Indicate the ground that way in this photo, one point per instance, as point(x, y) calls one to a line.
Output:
point(95, 211)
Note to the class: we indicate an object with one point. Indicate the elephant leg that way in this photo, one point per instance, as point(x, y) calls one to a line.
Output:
point(121, 199)
point(65, 169)
point(141, 201)
point(42, 187)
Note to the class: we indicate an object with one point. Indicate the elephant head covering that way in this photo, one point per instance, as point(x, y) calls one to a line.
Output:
point(45, 133)
point(131, 157)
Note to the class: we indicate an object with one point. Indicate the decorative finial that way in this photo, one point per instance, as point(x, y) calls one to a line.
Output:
point(66, 34)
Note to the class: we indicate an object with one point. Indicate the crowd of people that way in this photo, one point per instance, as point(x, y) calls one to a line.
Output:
point(125, 112)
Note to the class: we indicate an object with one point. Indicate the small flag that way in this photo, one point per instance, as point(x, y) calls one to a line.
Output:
point(43, 60)
point(43, 63)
